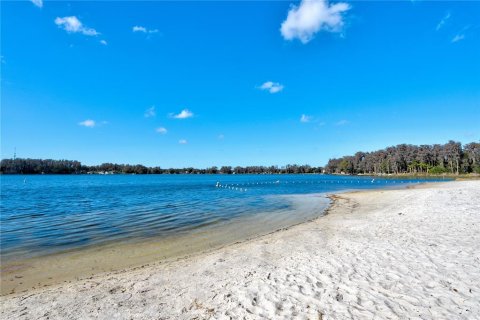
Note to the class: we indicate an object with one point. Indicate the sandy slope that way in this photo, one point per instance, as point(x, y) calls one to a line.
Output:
point(398, 254)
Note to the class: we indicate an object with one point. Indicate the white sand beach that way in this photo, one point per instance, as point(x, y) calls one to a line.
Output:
point(385, 254)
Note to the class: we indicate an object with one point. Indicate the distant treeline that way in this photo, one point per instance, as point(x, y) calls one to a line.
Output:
point(452, 158)
point(39, 166)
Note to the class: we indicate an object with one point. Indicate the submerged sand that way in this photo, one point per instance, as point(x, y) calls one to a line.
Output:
point(391, 254)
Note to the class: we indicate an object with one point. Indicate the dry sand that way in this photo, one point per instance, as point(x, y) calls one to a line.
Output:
point(396, 254)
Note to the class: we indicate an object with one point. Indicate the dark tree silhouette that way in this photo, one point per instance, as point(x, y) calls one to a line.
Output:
point(38, 166)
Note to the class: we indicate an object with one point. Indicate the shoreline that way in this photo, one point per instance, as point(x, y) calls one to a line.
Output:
point(385, 253)
point(79, 260)
point(34, 273)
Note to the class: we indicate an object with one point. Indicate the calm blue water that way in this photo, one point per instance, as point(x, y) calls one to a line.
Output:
point(50, 213)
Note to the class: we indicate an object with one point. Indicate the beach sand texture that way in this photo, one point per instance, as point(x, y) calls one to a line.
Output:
point(385, 254)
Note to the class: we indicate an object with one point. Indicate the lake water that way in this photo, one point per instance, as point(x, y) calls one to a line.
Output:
point(47, 214)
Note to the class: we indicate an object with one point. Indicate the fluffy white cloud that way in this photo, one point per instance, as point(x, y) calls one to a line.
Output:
point(38, 3)
point(139, 29)
point(184, 114)
point(143, 29)
point(182, 141)
point(443, 21)
point(161, 130)
point(312, 16)
point(73, 25)
point(272, 87)
point(458, 37)
point(88, 123)
point(150, 112)
point(342, 122)
point(104, 42)
point(304, 118)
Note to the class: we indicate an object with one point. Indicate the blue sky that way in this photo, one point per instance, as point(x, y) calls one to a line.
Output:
point(235, 83)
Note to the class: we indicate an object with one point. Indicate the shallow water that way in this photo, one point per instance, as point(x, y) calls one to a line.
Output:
point(47, 214)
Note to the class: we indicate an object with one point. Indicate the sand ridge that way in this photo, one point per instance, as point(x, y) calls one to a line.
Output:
point(384, 254)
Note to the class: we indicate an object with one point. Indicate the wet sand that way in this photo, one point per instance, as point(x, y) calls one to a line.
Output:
point(386, 254)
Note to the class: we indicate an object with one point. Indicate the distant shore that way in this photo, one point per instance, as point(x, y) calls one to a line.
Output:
point(383, 253)
point(383, 175)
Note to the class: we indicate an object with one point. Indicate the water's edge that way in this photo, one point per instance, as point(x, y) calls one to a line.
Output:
point(21, 275)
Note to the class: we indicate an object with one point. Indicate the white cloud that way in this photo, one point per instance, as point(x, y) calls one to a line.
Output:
point(87, 123)
point(104, 42)
point(161, 130)
point(182, 141)
point(143, 29)
point(184, 114)
point(150, 112)
point(304, 118)
point(38, 3)
point(73, 25)
point(458, 37)
point(312, 16)
point(272, 87)
point(442, 22)
point(139, 29)
point(342, 122)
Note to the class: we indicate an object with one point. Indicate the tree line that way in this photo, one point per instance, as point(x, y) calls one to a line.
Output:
point(49, 166)
point(451, 158)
